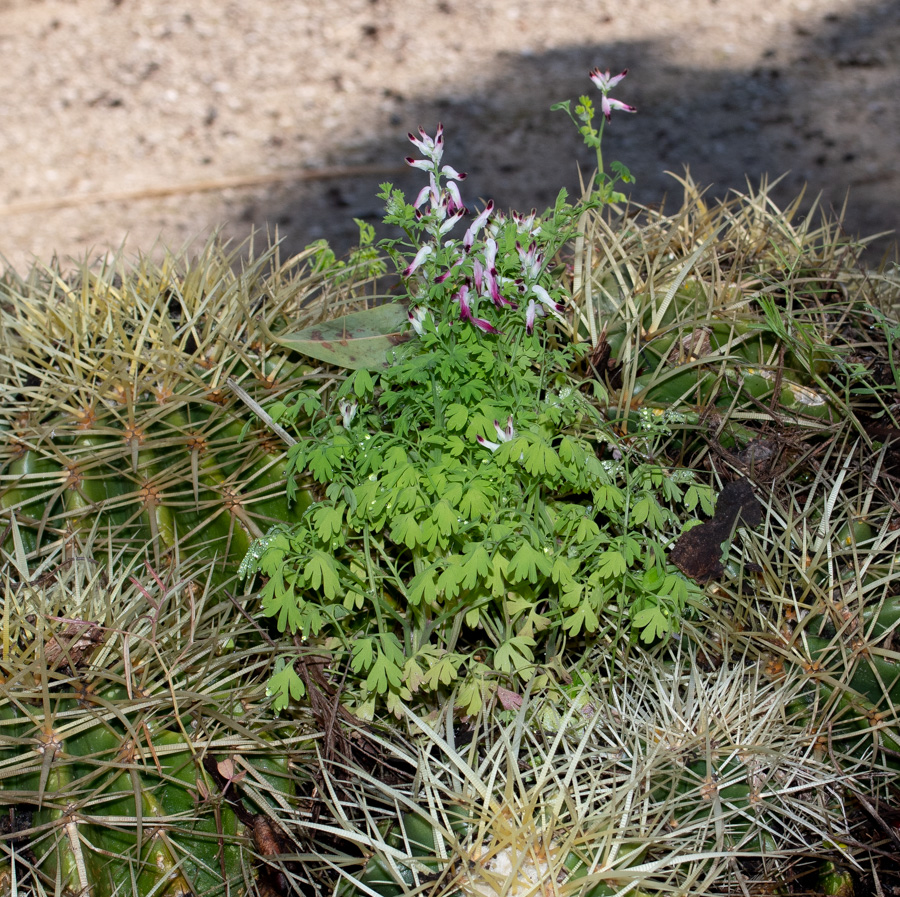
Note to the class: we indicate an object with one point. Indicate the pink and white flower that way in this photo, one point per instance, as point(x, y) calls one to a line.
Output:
point(465, 312)
point(449, 172)
point(550, 304)
point(490, 274)
point(532, 311)
point(456, 214)
point(606, 84)
point(454, 200)
point(475, 227)
point(527, 224)
point(348, 412)
point(417, 317)
point(421, 255)
point(477, 275)
point(431, 148)
point(504, 434)
point(421, 164)
point(430, 191)
point(532, 260)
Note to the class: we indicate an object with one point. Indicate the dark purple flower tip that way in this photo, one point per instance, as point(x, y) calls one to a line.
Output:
point(481, 324)
point(453, 174)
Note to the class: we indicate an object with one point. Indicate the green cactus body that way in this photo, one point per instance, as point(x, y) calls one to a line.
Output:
point(851, 661)
point(173, 490)
point(687, 365)
point(118, 417)
point(110, 809)
point(868, 691)
point(835, 880)
point(137, 750)
point(413, 836)
point(725, 362)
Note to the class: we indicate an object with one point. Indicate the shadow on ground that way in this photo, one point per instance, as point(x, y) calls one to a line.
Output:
point(824, 116)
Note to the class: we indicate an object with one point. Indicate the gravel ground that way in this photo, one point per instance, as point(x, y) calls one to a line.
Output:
point(146, 123)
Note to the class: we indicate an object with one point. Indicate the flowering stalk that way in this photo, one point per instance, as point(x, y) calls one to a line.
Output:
point(607, 104)
point(448, 277)
point(583, 117)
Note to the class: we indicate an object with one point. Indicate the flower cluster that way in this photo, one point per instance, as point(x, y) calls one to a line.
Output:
point(606, 84)
point(583, 117)
point(469, 268)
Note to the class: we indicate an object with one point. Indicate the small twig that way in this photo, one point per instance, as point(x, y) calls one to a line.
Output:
point(206, 186)
point(250, 619)
point(255, 407)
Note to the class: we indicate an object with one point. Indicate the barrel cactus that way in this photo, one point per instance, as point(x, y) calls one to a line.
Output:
point(119, 406)
point(137, 751)
point(738, 316)
point(826, 601)
point(665, 775)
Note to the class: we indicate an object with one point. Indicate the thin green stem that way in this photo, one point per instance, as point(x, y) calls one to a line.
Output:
point(600, 150)
point(437, 403)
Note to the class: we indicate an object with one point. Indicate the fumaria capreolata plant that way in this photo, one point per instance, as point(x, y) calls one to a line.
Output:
point(480, 517)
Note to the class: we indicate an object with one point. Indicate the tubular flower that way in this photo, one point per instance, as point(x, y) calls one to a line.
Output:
point(504, 434)
point(606, 84)
point(454, 200)
point(465, 312)
point(417, 317)
point(429, 192)
point(348, 412)
point(484, 326)
point(494, 289)
point(493, 446)
point(454, 175)
point(421, 255)
point(495, 225)
point(533, 310)
point(527, 224)
point(430, 148)
point(490, 274)
point(476, 225)
point(478, 275)
point(551, 305)
point(421, 164)
point(442, 277)
point(456, 213)
point(490, 256)
point(532, 260)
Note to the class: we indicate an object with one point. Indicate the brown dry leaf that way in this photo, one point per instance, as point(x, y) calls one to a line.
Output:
point(226, 769)
point(698, 552)
point(508, 699)
point(72, 647)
